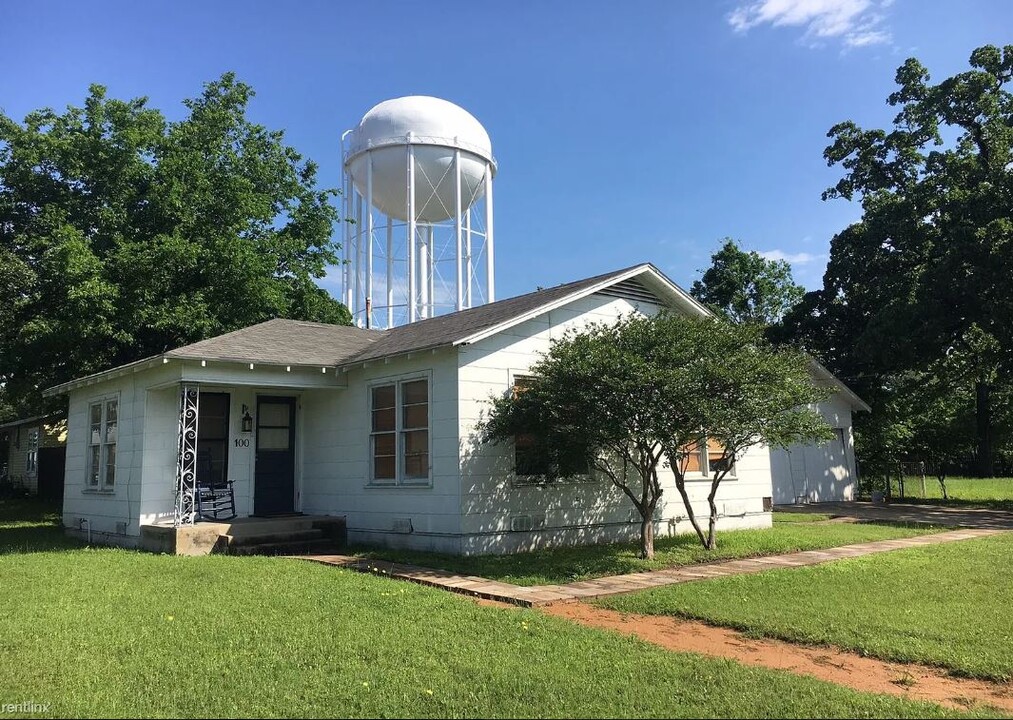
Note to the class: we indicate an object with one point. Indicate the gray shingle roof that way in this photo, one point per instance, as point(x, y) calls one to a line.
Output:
point(448, 329)
point(282, 342)
point(295, 342)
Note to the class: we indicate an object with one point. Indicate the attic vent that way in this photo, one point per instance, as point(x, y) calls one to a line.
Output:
point(525, 523)
point(402, 525)
point(631, 290)
point(521, 523)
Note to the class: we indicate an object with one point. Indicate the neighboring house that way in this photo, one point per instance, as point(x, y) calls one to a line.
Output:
point(376, 426)
point(32, 454)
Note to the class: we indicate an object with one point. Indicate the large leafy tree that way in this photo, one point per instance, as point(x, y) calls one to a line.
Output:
point(925, 273)
point(746, 287)
point(123, 234)
point(635, 399)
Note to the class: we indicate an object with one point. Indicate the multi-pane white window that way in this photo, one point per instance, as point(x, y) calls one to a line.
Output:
point(399, 435)
point(32, 456)
point(102, 444)
point(704, 458)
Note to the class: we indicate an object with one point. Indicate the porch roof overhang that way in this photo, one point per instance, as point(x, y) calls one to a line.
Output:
point(218, 371)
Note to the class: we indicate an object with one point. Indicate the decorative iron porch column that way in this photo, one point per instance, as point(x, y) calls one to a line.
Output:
point(186, 457)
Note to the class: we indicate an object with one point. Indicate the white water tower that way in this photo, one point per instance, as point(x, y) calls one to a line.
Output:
point(418, 176)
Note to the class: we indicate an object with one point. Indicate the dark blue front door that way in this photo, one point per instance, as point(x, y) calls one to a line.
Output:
point(274, 481)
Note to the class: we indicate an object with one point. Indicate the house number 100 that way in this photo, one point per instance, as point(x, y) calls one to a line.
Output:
point(242, 442)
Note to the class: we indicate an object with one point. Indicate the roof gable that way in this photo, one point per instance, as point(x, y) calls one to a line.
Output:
point(467, 326)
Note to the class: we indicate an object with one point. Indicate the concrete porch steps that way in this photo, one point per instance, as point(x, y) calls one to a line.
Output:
point(287, 535)
point(275, 541)
point(318, 544)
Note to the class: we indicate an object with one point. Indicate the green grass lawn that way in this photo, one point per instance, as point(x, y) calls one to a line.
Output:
point(120, 633)
point(948, 605)
point(27, 525)
point(994, 493)
point(562, 565)
point(794, 517)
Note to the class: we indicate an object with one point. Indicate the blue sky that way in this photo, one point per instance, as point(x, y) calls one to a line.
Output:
point(624, 131)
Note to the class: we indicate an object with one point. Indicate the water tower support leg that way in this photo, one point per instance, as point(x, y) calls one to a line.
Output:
point(390, 273)
point(431, 269)
point(458, 249)
point(412, 297)
point(490, 280)
point(423, 281)
point(469, 268)
point(358, 260)
point(369, 241)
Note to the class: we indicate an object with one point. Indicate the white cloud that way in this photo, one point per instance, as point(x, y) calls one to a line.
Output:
point(801, 258)
point(856, 23)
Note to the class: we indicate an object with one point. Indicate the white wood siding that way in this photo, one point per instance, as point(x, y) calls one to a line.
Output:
point(337, 459)
point(568, 512)
point(113, 514)
point(818, 473)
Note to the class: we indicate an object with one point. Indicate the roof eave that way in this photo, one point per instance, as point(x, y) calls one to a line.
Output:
point(118, 371)
point(680, 297)
point(855, 401)
point(345, 366)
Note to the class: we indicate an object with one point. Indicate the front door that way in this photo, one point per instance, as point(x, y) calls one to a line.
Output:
point(274, 475)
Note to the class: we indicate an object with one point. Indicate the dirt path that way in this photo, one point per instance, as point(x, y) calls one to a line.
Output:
point(916, 682)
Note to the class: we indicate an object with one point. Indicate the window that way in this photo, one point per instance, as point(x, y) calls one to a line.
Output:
point(102, 444)
point(32, 456)
point(399, 434)
point(715, 453)
point(531, 465)
point(213, 439)
point(703, 458)
point(691, 461)
point(528, 462)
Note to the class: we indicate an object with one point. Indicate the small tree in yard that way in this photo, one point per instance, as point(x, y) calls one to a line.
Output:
point(639, 397)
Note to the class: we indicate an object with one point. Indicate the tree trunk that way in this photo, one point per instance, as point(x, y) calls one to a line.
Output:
point(983, 414)
point(647, 535)
point(712, 541)
point(681, 487)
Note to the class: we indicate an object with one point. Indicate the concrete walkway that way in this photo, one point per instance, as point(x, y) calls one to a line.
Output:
point(945, 516)
point(546, 594)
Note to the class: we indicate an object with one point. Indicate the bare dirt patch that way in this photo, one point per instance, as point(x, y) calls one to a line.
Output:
point(917, 682)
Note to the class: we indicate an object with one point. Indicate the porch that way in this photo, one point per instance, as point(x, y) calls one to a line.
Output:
point(293, 534)
point(227, 446)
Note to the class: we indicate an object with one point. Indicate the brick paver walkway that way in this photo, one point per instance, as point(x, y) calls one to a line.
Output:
point(613, 585)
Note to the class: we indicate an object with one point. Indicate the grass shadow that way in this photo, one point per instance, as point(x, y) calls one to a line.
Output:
point(28, 525)
point(571, 563)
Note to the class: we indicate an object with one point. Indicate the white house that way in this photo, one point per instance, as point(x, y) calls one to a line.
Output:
point(376, 426)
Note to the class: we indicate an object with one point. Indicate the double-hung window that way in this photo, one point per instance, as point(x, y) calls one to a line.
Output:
point(528, 462)
point(102, 444)
point(399, 437)
point(531, 464)
point(32, 456)
point(703, 458)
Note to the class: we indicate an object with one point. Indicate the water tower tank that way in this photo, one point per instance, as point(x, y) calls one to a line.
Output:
point(437, 129)
point(418, 176)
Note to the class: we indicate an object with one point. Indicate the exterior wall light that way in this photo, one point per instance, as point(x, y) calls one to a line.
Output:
point(247, 420)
